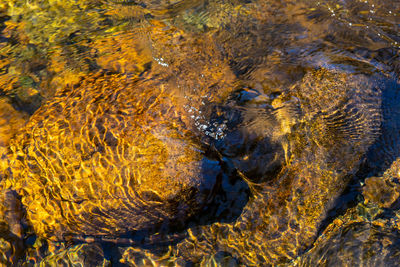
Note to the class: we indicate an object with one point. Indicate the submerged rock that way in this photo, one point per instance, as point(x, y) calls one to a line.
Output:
point(338, 119)
point(107, 157)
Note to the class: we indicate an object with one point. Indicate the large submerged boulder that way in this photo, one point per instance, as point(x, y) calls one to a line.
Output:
point(121, 152)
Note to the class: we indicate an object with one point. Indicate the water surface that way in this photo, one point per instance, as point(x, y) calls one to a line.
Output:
point(193, 132)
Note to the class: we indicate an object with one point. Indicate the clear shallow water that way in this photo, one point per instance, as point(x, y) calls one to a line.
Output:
point(196, 132)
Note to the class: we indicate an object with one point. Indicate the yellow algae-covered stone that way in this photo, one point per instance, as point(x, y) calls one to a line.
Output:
point(381, 191)
point(109, 156)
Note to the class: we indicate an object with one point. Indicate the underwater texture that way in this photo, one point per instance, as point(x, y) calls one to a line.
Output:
point(199, 133)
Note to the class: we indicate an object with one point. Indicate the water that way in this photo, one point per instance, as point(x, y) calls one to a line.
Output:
point(199, 132)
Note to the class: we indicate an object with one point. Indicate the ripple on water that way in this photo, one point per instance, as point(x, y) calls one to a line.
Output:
point(284, 101)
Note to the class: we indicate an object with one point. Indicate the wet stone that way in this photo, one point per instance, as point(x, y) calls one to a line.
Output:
point(381, 191)
point(116, 196)
point(384, 191)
